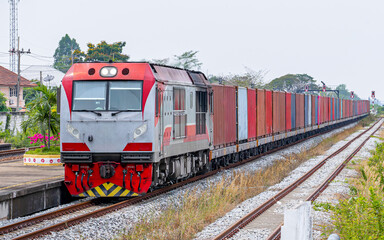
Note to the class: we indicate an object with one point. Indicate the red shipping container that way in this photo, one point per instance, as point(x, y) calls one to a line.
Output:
point(282, 107)
point(300, 110)
point(327, 109)
point(252, 114)
point(278, 113)
point(218, 116)
point(229, 101)
point(320, 106)
point(261, 127)
point(268, 112)
point(288, 120)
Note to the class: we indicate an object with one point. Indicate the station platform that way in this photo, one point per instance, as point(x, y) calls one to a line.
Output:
point(28, 189)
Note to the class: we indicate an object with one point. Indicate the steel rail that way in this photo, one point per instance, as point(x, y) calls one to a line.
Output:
point(276, 234)
point(6, 155)
point(233, 229)
point(35, 220)
point(100, 212)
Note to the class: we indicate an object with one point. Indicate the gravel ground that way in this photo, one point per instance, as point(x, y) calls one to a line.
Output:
point(111, 225)
point(250, 204)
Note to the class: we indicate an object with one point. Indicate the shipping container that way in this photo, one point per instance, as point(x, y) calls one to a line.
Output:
point(306, 110)
point(314, 110)
point(309, 112)
point(341, 109)
point(330, 109)
point(278, 113)
point(288, 108)
point(268, 112)
point(299, 110)
point(293, 111)
point(327, 109)
point(317, 110)
point(282, 106)
point(260, 113)
point(242, 114)
point(229, 101)
point(218, 116)
point(252, 124)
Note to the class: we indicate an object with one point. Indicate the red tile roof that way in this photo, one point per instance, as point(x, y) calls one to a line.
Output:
point(9, 78)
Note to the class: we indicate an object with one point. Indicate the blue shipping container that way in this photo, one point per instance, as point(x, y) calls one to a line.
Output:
point(242, 100)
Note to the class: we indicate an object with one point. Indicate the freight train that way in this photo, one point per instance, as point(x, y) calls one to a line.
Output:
point(128, 128)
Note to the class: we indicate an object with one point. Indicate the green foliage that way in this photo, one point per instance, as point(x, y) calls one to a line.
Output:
point(104, 52)
point(18, 140)
point(187, 60)
point(380, 109)
point(3, 104)
point(54, 150)
point(292, 83)
point(344, 93)
point(164, 61)
point(63, 53)
point(362, 215)
point(251, 79)
point(30, 94)
point(7, 121)
point(41, 109)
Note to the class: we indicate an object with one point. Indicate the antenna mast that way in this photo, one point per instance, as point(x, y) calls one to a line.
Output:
point(13, 33)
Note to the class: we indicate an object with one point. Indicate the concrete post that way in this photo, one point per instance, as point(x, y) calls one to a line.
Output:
point(297, 223)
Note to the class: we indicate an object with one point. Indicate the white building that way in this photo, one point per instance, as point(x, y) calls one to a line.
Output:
point(48, 72)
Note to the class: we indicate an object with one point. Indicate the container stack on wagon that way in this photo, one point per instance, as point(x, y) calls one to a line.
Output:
point(244, 115)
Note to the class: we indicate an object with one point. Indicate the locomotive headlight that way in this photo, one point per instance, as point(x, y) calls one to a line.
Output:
point(108, 72)
point(73, 131)
point(140, 131)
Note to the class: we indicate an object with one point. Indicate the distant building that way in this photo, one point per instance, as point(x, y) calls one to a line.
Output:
point(51, 76)
point(8, 86)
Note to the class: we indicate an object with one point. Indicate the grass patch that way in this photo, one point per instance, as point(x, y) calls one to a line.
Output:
point(197, 209)
point(54, 150)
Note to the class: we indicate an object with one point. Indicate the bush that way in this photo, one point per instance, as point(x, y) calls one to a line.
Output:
point(54, 150)
point(19, 140)
point(362, 215)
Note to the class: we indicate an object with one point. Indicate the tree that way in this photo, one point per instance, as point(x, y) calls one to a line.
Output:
point(345, 93)
point(187, 60)
point(292, 83)
point(30, 94)
point(42, 115)
point(3, 104)
point(63, 54)
point(250, 78)
point(104, 52)
point(164, 61)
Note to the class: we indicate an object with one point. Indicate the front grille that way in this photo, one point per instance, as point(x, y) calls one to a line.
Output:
point(142, 158)
point(76, 158)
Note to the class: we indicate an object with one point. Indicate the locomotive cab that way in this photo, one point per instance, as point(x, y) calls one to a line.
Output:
point(107, 123)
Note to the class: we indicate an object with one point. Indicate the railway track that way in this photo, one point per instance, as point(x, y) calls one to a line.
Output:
point(113, 207)
point(7, 155)
point(252, 216)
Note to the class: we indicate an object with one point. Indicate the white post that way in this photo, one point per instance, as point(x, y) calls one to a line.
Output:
point(297, 223)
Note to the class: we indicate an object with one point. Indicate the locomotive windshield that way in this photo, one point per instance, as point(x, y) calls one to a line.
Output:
point(122, 95)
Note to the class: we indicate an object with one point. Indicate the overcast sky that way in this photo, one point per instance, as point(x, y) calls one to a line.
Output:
point(335, 41)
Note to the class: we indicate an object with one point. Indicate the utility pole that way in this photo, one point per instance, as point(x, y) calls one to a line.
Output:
point(41, 82)
point(18, 52)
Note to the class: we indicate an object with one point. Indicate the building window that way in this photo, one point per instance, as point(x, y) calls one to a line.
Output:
point(201, 109)
point(179, 115)
point(13, 91)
